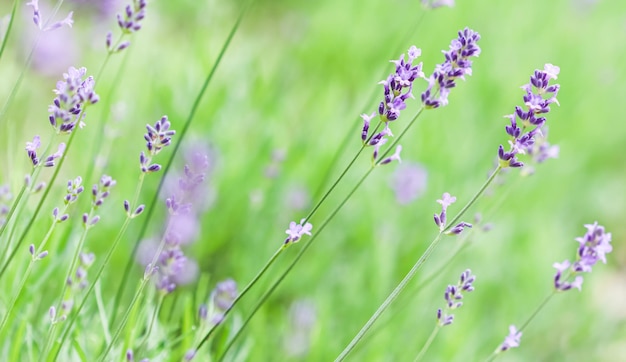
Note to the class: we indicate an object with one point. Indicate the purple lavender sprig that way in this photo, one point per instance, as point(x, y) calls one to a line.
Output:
point(31, 151)
point(456, 65)
point(441, 218)
point(397, 88)
point(99, 192)
point(592, 247)
point(128, 22)
point(157, 137)
point(539, 95)
point(73, 94)
point(453, 297)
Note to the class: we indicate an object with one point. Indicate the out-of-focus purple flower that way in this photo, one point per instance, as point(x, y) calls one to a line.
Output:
point(512, 340)
point(540, 151)
point(455, 66)
point(77, 282)
point(157, 137)
point(593, 247)
point(409, 182)
point(222, 299)
point(130, 21)
point(184, 204)
point(38, 21)
point(453, 297)
point(224, 294)
point(5, 198)
point(539, 95)
point(296, 231)
point(73, 94)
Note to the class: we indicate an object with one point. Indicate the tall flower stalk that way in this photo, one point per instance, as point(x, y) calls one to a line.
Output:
point(539, 95)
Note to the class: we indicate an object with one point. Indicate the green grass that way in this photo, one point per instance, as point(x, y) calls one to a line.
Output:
point(295, 79)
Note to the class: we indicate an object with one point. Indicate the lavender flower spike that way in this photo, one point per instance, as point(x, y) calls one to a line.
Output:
point(593, 246)
point(453, 297)
point(455, 66)
point(296, 231)
point(539, 95)
point(73, 94)
point(397, 88)
point(157, 137)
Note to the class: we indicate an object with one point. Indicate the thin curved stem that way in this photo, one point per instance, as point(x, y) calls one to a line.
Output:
point(9, 27)
point(407, 278)
point(192, 113)
point(275, 285)
point(426, 345)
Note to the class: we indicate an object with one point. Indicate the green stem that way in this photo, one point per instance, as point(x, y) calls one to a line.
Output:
point(20, 287)
point(57, 168)
point(70, 271)
point(242, 294)
point(192, 113)
point(426, 345)
point(133, 303)
point(9, 27)
point(407, 278)
point(152, 320)
point(107, 258)
point(266, 295)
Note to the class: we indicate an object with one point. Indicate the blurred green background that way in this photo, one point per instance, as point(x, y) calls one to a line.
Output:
point(293, 82)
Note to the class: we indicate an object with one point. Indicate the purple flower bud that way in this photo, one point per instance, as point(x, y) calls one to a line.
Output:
point(139, 210)
point(31, 249)
point(129, 355)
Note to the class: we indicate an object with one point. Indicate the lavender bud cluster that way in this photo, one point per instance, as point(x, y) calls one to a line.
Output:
point(128, 22)
point(74, 188)
point(157, 137)
point(539, 95)
point(592, 247)
point(99, 192)
point(31, 151)
point(453, 297)
point(456, 65)
point(397, 89)
point(73, 94)
point(441, 218)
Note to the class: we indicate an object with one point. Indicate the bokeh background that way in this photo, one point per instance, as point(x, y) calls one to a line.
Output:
point(288, 92)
